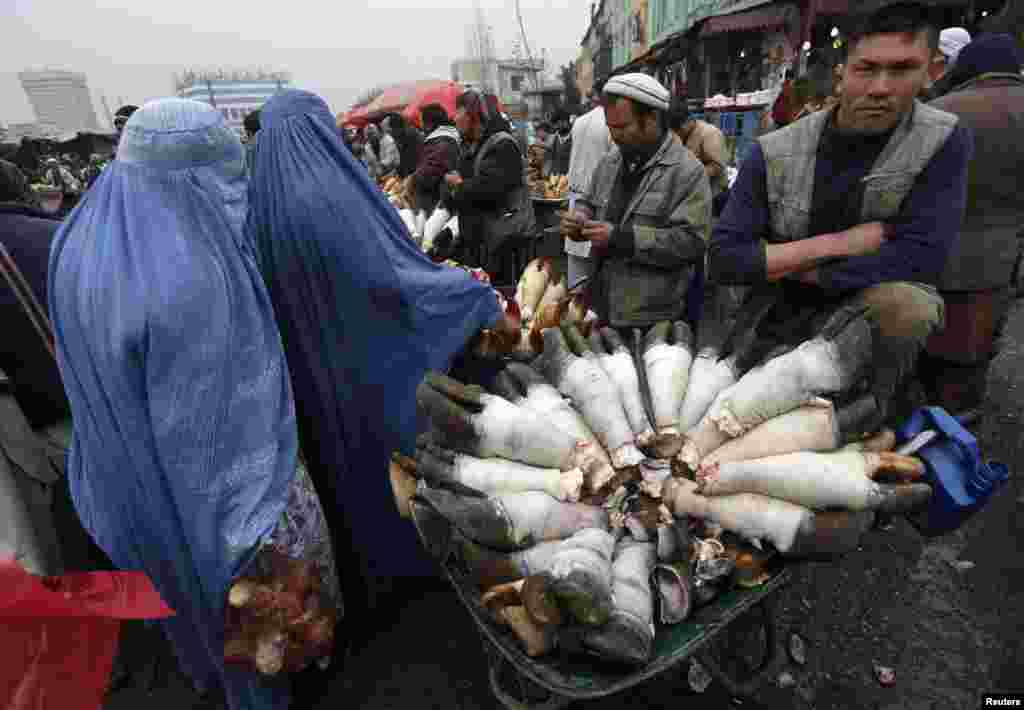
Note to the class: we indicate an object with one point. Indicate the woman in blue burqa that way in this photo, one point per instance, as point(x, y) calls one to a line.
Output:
point(363, 314)
point(184, 455)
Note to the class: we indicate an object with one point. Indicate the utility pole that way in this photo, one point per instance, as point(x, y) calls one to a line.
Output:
point(106, 107)
point(526, 46)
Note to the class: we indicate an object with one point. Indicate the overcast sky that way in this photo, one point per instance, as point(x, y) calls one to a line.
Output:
point(130, 49)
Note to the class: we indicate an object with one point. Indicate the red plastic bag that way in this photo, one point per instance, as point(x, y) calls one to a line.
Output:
point(60, 634)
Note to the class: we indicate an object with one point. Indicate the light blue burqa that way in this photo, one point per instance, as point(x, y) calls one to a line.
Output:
point(184, 428)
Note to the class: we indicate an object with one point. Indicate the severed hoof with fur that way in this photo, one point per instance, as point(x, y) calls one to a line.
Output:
point(536, 639)
point(531, 593)
point(667, 357)
point(615, 358)
point(628, 637)
point(514, 521)
point(488, 568)
point(580, 577)
point(834, 533)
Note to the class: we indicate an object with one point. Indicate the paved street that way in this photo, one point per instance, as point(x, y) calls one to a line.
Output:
point(898, 601)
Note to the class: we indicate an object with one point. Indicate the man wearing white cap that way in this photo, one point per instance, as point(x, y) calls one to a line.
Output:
point(952, 41)
point(646, 211)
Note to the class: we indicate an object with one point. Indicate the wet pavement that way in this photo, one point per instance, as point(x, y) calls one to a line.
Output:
point(947, 615)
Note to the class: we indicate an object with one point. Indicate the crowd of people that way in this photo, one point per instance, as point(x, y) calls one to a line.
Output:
point(229, 316)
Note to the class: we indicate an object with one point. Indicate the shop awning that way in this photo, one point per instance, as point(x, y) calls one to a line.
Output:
point(731, 7)
point(762, 19)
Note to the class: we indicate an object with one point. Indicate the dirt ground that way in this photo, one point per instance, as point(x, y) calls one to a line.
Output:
point(949, 631)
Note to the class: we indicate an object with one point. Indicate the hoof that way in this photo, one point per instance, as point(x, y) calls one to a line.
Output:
point(539, 601)
point(624, 639)
point(664, 446)
point(586, 598)
point(479, 519)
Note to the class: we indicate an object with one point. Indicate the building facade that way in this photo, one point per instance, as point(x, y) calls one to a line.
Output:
point(234, 94)
point(515, 77)
point(60, 99)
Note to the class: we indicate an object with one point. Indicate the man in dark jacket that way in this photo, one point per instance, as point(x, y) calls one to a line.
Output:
point(440, 156)
point(490, 173)
point(25, 353)
point(408, 141)
point(121, 118)
point(988, 96)
point(251, 123)
point(561, 147)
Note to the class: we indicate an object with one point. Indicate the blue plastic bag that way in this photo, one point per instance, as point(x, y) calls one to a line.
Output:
point(962, 482)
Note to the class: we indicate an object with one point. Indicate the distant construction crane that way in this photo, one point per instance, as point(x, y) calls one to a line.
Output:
point(106, 108)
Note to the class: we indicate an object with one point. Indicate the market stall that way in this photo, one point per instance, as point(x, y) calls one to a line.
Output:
point(739, 119)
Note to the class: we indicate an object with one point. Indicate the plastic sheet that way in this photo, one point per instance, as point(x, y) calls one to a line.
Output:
point(59, 634)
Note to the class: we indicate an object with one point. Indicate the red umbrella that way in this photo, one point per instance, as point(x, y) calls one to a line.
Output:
point(397, 97)
point(443, 93)
point(407, 98)
point(357, 117)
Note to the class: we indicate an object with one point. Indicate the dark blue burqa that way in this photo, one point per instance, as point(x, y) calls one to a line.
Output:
point(185, 442)
point(363, 314)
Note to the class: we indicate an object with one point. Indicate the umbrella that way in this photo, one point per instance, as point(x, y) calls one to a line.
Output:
point(408, 99)
point(394, 99)
point(444, 93)
point(357, 117)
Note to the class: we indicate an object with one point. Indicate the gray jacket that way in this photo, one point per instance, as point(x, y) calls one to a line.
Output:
point(670, 216)
point(790, 159)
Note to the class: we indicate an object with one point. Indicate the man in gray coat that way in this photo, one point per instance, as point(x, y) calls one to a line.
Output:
point(646, 211)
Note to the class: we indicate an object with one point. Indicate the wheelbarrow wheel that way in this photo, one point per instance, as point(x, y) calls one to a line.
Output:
point(742, 655)
point(514, 690)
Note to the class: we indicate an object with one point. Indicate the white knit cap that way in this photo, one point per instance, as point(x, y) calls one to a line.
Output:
point(952, 40)
point(639, 87)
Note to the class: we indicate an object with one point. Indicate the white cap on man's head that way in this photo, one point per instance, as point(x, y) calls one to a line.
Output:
point(952, 40)
point(641, 88)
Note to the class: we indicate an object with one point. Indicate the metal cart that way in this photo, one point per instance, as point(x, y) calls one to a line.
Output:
point(733, 637)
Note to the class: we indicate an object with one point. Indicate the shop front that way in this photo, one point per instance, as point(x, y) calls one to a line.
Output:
point(746, 53)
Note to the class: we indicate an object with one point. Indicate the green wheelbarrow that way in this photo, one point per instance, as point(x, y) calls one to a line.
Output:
point(733, 637)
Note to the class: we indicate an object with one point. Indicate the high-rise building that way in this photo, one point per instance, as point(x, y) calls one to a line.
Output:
point(60, 99)
point(233, 93)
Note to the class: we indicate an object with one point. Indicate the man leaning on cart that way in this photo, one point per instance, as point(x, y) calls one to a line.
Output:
point(856, 205)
